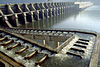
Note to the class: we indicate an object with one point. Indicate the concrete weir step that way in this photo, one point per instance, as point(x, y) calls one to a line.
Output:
point(20, 46)
point(13, 15)
point(79, 49)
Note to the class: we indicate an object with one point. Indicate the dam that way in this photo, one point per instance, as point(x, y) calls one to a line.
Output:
point(43, 47)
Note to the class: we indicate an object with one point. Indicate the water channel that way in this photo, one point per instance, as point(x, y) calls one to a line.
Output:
point(88, 19)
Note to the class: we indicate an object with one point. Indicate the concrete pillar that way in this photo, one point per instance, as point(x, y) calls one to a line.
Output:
point(25, 11)
point(43, 9)
point(9, 9)
point(32, 10)
point(1, 13)
point(24, 16)
point(6, 21)
point(56, 44)
point(59, 8)
point(43, 42)
point(15, 8)
point(16, 18)
point(53, 9)
point(18, 6)
point(41, 14)
point(23, 7)
point(64, 7)
point(60, 5)
point(36, 15)
point(50, 9)
point(12, 20)
point(47, 41)
point(32, 16)
point(40, 11)
point(46, 11)
point(37, 9)
point(26, 7)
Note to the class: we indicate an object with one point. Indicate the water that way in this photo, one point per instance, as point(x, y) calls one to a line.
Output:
point(88, 19)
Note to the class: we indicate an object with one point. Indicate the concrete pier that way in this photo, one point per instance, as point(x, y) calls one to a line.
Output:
point(13, 15)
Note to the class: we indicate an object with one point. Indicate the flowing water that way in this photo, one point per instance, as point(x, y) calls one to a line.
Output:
point(88, 19)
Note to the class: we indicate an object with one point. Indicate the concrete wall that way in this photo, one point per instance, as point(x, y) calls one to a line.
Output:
point(30, 1)
point(20, 1)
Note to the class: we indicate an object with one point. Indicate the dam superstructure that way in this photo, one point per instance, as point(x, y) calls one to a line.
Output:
point(13, 15)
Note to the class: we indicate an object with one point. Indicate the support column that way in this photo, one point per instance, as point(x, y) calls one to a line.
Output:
point(56, 44)
point(43, 42)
